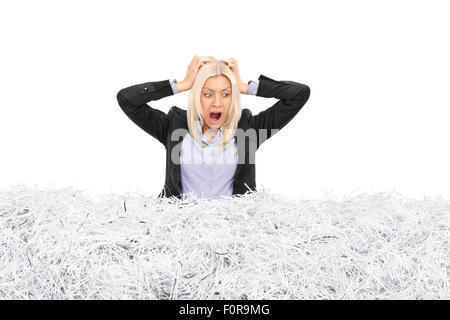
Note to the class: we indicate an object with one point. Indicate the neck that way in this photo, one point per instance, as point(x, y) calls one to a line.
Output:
point(209, 133)
point(205, 128)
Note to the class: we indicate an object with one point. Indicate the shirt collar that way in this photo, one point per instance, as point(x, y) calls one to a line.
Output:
point(217, 137)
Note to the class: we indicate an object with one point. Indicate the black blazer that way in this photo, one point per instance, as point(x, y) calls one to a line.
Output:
point(133, 101)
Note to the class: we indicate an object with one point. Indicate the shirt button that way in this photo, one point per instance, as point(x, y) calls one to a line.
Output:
point(145, 89)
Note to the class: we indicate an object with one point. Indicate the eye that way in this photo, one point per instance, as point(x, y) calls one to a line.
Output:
point(209, 94)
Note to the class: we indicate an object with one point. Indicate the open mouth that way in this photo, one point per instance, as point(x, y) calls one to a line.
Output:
point(215, 116)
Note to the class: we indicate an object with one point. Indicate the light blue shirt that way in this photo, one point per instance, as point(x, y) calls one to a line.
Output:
point(208, 172)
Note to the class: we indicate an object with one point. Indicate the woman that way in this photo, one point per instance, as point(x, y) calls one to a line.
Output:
point(213, 128)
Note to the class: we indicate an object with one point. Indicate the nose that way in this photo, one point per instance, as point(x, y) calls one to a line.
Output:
point(217, 101)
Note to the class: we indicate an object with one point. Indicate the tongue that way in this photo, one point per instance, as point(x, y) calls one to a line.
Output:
point(215, 115)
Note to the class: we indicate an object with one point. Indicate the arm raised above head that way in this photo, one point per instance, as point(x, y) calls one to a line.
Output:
point(133, 101)
point(292, 95)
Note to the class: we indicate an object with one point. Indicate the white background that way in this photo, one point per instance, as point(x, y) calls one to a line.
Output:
point(377, 118)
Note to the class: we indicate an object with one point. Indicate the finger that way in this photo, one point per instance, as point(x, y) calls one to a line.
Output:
point(201, 60)
point(192, 61)
point(199, 64)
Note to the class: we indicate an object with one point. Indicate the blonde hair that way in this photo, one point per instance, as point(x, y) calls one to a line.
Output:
point(212, 68)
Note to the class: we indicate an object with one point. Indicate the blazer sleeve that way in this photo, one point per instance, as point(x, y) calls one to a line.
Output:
point(133, 101)
point(292, 95)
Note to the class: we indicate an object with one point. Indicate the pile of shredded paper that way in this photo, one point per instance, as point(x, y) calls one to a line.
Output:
point(67, 244)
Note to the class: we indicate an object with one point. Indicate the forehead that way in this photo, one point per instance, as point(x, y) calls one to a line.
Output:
point(217, 82)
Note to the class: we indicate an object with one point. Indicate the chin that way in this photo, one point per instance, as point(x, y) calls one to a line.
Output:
point(214, 125)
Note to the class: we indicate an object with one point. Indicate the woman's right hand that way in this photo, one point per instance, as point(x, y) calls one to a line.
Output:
point(191, 73)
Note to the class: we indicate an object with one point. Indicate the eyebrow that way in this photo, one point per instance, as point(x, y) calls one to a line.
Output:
point(220, 90)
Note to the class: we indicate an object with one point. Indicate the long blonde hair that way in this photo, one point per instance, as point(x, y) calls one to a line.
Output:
point(212, 68)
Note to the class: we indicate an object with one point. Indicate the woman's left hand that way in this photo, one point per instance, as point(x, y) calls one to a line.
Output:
point(232, 64)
